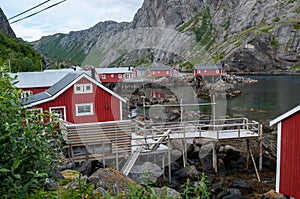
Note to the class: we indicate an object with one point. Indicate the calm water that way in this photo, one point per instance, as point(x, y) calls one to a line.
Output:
point(266, 99)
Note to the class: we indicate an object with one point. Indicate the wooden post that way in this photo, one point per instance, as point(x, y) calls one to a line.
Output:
point(183, 153)
point(260, 147)
point(248, 154)
point(169, 159)
point(215, 161)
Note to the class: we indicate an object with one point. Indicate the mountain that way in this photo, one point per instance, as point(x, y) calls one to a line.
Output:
point(4, 25)
point(244, 35)
point(15, 52)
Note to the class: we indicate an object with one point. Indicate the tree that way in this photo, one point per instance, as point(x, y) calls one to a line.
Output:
point(27, 152)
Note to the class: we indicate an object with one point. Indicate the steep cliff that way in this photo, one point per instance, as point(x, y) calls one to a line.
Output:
point(4, 25)
point(247, 35)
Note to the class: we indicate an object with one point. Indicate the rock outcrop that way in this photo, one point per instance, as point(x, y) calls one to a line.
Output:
point(4, 25)
point(248, 36)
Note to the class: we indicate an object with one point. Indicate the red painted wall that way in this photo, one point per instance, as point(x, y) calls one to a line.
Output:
point(207, 72)
point(290, 156)
point(35, 90)
point(109, 77)
point(106, 106)
point(161, 73)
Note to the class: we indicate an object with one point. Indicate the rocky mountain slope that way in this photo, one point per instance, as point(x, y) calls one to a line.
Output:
point(245, 35)
point(4, 25)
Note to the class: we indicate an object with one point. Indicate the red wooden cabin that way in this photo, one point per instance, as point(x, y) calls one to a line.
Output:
point(288, 153)
point(212, 70)
point(161, 71)
point(112, 75)
point(78, 98)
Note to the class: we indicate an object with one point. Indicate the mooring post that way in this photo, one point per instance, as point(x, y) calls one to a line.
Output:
point(260, 146)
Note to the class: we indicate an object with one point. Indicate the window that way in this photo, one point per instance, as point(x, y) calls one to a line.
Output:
point(26, 94)
point(158, 72)
point(60, 112)
point(83, 88)
point(103, 76)
point(153, 72)
point(205, 71)
point(84, 109)
point(112, 75)
point(167, 72)
point(35, 113)
point(120, 76)
point(217, 71)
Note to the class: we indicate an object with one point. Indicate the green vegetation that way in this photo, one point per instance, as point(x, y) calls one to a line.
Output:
point(297, 10)
point(276, 19)
point(266, 30)
point(203, 28)
point(84, 190)
point(275, 43)
point(18, 54)
point(227, 24)
point(27, 144)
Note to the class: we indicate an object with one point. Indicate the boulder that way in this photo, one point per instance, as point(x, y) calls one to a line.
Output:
point(231, 194)
point(167, 192)
point(242, 185)
point(111, 180)
point(85, 168)
point(147, 173)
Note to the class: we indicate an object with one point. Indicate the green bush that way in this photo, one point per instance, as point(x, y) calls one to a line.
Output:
point(27, 147)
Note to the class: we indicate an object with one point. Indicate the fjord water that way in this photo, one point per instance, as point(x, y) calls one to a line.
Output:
point(266, 99)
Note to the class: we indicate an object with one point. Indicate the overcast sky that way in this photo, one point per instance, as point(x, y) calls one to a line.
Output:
point(71, 15)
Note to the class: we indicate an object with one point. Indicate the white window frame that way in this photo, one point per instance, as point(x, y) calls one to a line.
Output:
point(217, 71)
point(153, 72)
point(103, 76)
point(85, 113)
point(83, 88)
point(26, 94)
point(40, 110)
point(112, 75)
point(168, 72)
point(199, 71)
point(120, 76)
point(59, 107)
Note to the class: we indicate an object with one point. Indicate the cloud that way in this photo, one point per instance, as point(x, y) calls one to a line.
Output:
point(72, 15)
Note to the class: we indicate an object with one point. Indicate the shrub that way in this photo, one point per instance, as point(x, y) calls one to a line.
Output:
point(27, 147)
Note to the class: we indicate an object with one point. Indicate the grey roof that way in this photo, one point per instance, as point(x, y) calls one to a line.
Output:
point(114, 70)
point(52, 90)
point(161, 68)
point(38, 79)
point(208, 67)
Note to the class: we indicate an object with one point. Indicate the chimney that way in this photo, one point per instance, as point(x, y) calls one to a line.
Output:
point(93, 72)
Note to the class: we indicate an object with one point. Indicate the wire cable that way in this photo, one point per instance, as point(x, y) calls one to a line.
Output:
point(28, 10)
point(38, 12)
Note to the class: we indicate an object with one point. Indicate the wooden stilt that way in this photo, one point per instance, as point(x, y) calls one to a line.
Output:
point(248, 154)
point(183, 153)
point(260, 147)
point(215, 161)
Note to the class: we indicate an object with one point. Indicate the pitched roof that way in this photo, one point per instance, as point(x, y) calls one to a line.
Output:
point(38, 79)
point(114, 70)
point(285, 115)
point(60, 87)
point(208, 67)
point(161, 68)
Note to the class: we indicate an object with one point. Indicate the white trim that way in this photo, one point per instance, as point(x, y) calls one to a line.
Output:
point(71, 84)
point(278, 156)
point(83, 89)
point(285, 115)
point(120, 76)
point(121, 111)
point(34, 109)
point(58, 107)
point(84, 114)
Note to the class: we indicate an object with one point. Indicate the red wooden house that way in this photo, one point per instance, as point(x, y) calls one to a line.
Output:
point(212, 70)
point(288, 153)
point(78, 98)
point(112, 75)
point(161, 71)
